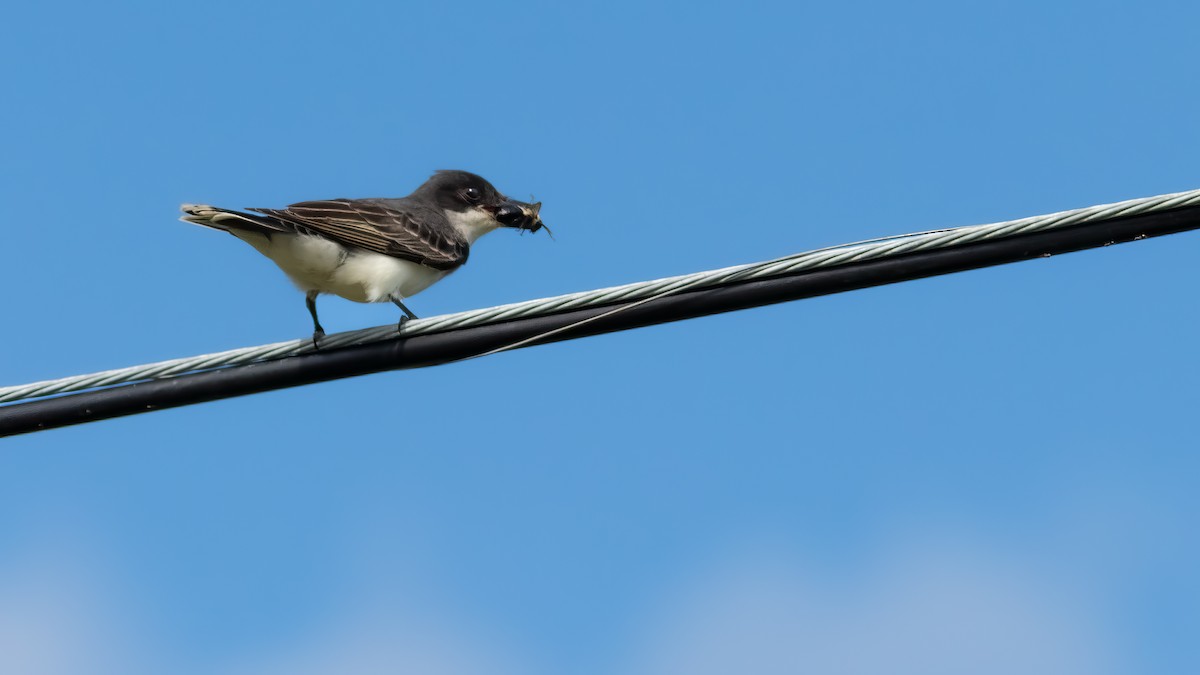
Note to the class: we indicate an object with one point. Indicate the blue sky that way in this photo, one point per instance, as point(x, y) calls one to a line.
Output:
point(990, 472)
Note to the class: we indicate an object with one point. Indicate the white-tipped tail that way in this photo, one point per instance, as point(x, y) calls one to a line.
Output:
point(202, 210)
point(221, 219)
point(200, 214)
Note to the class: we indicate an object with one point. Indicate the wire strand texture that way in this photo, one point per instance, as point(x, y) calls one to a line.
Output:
point(637, 293)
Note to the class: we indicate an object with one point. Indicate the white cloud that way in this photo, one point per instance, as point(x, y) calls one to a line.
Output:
point(56, 618)
point(63, 612)
point(929, 611)
point(377, 641)
point(938, 606)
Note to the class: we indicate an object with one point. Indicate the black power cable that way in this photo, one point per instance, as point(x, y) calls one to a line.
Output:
point(433, 349)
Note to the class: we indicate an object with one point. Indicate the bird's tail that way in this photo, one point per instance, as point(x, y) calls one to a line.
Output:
point(226, 220)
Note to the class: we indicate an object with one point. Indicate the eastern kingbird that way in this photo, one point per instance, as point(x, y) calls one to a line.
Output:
point(375, 250)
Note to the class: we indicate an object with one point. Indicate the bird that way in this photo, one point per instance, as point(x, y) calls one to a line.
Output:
point(375, 250)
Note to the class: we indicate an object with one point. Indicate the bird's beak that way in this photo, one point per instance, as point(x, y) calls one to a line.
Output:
point(520, 215)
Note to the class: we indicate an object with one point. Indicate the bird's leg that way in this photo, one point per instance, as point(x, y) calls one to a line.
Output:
point(310, 300)
point(407, 312)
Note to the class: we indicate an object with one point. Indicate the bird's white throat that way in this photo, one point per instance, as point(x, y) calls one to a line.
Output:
point(472, 223)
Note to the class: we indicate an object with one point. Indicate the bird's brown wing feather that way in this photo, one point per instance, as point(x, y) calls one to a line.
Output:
point(370, 225)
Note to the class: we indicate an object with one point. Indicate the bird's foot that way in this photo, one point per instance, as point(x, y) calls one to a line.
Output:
point(317, 335)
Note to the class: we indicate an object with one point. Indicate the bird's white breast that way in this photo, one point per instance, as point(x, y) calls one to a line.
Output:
point(318, 264)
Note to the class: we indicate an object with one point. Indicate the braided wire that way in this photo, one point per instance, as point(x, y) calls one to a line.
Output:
point(640, 292)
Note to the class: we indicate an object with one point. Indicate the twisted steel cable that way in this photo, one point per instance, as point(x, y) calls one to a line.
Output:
point(636, 293)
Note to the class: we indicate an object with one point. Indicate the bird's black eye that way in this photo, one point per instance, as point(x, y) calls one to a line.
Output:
point(472, 194)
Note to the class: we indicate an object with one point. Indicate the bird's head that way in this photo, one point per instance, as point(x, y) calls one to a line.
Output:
point(474, 202)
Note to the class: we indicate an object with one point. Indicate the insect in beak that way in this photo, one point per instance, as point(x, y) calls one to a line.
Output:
point(532, 210)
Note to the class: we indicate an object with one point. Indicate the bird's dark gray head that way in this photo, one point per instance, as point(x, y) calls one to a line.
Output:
point(462, 191)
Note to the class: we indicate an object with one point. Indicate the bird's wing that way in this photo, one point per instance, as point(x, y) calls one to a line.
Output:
point(382, 228)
